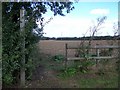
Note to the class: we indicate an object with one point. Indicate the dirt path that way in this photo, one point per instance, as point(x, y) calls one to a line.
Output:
point(43, 78)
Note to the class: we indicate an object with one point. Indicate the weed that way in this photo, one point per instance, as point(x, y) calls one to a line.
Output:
point(71, 71)
point(58, 58)
point(83, 66)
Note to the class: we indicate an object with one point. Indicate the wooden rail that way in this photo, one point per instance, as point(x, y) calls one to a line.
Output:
point(98, 57)
point(94, 47)
point(102, 57)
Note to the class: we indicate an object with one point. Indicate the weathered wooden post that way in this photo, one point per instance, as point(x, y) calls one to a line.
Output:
point(22, 69)
point(98, 54)
point(66, 55)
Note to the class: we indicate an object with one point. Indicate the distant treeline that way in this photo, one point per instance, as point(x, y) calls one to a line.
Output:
point(83, 38)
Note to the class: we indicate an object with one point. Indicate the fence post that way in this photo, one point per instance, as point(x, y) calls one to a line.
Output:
point(66, 55)
point(98, 54)
point(22, 69)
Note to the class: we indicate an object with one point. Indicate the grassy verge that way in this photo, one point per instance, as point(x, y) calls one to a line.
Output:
point(104, 81)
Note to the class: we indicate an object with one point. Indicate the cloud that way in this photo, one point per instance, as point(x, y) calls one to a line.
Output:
point(75, 27)
point(66, 26)
point(100, 11)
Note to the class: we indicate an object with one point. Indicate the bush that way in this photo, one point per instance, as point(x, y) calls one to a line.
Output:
point(8, 79)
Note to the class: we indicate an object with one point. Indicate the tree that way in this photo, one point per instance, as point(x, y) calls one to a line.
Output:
point(11, 40)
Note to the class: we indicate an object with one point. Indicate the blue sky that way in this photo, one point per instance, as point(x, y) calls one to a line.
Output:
point(82, 9)
point(78, 22)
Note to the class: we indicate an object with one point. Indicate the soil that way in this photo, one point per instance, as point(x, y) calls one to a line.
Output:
point(43, 78)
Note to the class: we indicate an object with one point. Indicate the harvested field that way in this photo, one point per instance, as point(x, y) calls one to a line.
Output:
point(53, 47)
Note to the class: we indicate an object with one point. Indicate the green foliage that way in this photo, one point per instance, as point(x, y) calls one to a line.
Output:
point(58, 58)
point(8, 78)
point(83, 51)
point(12, 39)
point(83, 66)
point(79, 66)
point(68, 72)
point(100, 81)
point(29, 69)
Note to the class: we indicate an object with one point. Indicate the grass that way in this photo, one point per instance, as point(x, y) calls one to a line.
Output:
point(82, 80)
point(99, 82)
point(92, 80)
point(109, 79)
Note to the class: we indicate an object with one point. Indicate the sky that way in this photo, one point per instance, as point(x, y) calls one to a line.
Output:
point(78, 22)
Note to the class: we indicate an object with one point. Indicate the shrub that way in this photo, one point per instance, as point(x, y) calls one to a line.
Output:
point(8, 79)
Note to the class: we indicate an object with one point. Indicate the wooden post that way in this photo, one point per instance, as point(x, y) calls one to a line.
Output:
point(98, 54)
point(22, 69)
point(66, 55)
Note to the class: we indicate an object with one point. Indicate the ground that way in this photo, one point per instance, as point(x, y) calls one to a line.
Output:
point(43, 78)
point(46, 75)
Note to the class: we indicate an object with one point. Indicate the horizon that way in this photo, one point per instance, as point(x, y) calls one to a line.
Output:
point(81, 37)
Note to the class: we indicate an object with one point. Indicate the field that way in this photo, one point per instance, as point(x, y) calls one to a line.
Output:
point(50, 73)
point(54, 47)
